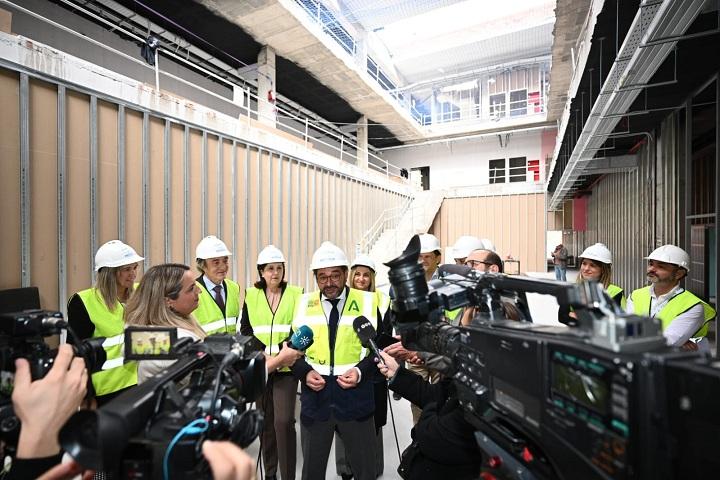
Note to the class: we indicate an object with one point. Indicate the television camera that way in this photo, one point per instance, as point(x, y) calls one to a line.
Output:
point(156, 429)
point(605, 399)
point(22, 335)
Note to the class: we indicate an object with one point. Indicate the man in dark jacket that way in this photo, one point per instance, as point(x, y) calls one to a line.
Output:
point(444, 443)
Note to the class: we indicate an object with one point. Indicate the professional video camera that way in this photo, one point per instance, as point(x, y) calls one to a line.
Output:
point(605, 399)
point(22, 335)
point(155, 430)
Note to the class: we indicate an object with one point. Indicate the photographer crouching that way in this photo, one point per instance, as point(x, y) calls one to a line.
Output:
point(443, 442)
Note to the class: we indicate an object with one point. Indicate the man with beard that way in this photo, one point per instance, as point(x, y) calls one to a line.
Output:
point(683, 316)
point(336, 375)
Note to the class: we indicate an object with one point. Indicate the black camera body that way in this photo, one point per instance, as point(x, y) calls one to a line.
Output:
point(22, 335)
point(605, 399)
point(156, 429)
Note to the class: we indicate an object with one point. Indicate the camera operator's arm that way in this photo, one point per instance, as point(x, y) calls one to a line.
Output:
point(410, 385)
point(285, 358)
point(228, 461)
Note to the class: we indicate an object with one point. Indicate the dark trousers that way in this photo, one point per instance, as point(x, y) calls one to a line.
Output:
point(359, 438)
point(279, 436)
point(342, 465)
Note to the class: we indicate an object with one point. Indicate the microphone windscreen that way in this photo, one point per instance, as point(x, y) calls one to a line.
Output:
point(302, 338)
point(451, 268)
point(364, 329)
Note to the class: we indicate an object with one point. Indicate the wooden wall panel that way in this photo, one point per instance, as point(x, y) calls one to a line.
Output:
point(213, 191)
point(10, 274)
point(134, 213)
point(177, 194)
point(43, 192)
point(196, 215)
point(307, 206)
point(107, 192)
point(156, 192)
point(515, 224)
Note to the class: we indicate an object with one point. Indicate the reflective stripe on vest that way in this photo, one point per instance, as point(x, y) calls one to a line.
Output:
point(613, 290)
point(209, 315)
point(677, 305)
point(348, 349)
point(269, 328)
point(383, 301)
point(115, 374)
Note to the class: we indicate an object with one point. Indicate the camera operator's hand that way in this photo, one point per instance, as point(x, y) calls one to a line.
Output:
point(314, 381)
point(285, 358)
point(349, 379)
point(67, 471)
point(397, 351)
point(390, 368)
point(43, 406)
point(228, 461)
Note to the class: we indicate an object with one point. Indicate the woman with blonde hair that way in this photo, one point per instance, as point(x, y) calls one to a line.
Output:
point(166, 297)
point(98, 312)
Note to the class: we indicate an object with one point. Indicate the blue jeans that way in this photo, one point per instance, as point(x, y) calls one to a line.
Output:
point(560, 273)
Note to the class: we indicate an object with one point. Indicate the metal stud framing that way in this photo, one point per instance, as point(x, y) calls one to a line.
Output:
point(61, 200)
point(25, 180)
point(93, 180)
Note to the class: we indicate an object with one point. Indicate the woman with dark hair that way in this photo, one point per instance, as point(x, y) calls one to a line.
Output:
point(98, 312)
point(267, 314)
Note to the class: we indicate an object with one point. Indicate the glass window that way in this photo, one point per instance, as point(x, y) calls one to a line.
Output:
point(518, 103)
point(518, 169)
point(497, 105)
point(497, 170)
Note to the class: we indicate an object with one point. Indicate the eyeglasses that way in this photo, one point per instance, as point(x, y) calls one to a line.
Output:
point(335, 277)
point(475, 263)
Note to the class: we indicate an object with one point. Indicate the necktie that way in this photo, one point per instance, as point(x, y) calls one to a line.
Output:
point(218, 297)
point(333, 322)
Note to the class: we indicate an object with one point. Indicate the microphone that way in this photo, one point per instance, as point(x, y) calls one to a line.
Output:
point(301, 339)
point(367, 334)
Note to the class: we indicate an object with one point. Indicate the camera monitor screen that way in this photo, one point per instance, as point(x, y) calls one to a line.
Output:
point(150, 343)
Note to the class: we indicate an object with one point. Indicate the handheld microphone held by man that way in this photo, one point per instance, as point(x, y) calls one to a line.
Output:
point(367, 334)
point(301, 339)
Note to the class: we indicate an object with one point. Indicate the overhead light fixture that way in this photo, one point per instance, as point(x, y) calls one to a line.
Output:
point(148, 49)
point(491, 80)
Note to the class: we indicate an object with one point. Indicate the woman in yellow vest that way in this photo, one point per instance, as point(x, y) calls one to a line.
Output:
point(98, 312)
point(362, 277)
point(596, 264)
point(166, 297)
point(219, 305)
point(267, 314)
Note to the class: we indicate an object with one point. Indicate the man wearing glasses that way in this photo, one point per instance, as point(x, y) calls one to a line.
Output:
point(336, 375)
point(484, 261)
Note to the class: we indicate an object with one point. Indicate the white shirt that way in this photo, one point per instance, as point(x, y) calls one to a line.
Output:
point(683, 326)
point(210, 286)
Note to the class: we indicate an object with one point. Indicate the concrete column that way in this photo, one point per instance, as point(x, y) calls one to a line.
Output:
point(266, 83)
point(362, 142)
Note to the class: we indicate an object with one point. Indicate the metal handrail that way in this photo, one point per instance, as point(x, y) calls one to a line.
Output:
point(389, 218)
point(245, 106)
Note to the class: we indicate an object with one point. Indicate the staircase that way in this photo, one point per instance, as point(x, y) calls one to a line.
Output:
point(418, 217)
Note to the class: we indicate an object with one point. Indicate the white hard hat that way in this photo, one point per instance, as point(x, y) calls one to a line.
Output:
point(115, 254)
point(466, 244)
point(328, 255)
point(488, 244)
point(671, 254)
point(211, 247)
point(270, 254)
point(429, 243)
point(365, 261)
point(597, 252)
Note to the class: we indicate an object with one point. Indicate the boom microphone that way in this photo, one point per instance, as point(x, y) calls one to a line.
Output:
point(367, 334)
point(302, 338)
